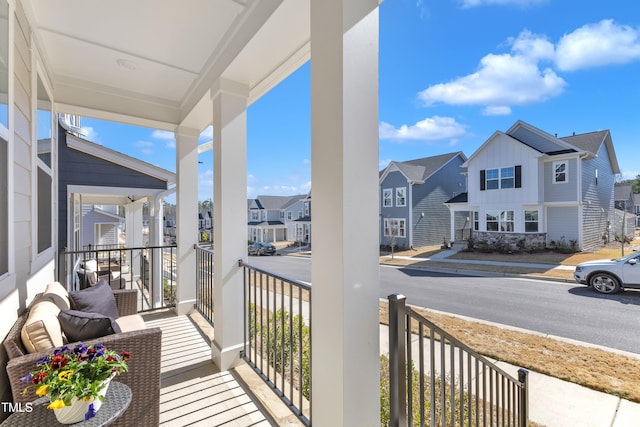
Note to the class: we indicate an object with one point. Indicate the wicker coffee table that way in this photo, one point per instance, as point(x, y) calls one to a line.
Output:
point(116, 401)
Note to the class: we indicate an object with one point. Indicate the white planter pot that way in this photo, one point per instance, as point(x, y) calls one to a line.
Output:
point(79, 407)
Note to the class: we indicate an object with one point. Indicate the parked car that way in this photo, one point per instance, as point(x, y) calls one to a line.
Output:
point(609, 276)
point(259, 248)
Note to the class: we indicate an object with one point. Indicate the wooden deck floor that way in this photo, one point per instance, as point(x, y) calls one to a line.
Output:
point(193, 390)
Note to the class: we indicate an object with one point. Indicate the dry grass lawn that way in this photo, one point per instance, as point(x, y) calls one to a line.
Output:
point(594, 368)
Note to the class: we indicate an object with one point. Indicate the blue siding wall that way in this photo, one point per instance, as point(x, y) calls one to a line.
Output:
point(561, 192)
point(597, 198)
point(428, 198)
point(394, 180)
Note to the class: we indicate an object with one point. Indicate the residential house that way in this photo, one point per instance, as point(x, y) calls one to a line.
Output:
point(63, 60)
point(530, 189)
point(267, 218)
point(91, 174)
point(298, 219)
point(101, 226)
point(412, 198)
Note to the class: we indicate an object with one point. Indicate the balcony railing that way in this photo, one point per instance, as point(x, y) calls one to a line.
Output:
point(446, 383)
point(278, 336)
point(204, 282)
point(151, 270)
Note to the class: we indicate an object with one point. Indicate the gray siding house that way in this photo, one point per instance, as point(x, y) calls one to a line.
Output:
point(267, 217)
point(528, 188)
point(412, 197)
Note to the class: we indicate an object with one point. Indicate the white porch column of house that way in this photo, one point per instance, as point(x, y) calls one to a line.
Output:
point(186, 216)
point(156, 238)
point(344, 163)
point(230, 218)
point(134, 234)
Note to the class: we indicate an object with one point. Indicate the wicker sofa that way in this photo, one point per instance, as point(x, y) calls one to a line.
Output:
point(143, 376)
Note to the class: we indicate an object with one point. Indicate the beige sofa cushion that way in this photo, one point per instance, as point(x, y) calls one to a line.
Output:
point(57, 294)
point(42, 330)
point(133, 322)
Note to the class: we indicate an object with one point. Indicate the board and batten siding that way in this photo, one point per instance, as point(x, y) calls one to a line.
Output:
point(434, 227)
point(597, 198)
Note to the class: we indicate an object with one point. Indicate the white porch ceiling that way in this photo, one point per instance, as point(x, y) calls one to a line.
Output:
point(153, 62)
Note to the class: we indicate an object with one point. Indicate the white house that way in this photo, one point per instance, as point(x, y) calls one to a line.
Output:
point(529, 188)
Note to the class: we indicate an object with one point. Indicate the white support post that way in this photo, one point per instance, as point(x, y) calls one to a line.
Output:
point(230, 218)
point(186, 216)
point(133, 236)
point(344, 156)
point(156, 238)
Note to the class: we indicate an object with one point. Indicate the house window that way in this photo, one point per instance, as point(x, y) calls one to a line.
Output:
point(395, 227)
point(531, 221)
point(500, 221)
point(299, 214)
point(4, 145)
point(306, 208)
point(4, 201)
point(255, 215)
point(476, 221)
point(560, 172)
point(281, 215)
point(387, 197)
point(507, 176)
point(401, 196)
point(289, 215)
point(493, 179)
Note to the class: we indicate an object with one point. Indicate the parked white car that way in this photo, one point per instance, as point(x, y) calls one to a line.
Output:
point(609, 276)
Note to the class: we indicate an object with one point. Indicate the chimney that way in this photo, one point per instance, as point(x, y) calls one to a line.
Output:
point(574, 134)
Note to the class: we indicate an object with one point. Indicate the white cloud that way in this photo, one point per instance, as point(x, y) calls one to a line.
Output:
point(306, 161)
point(91, 134)
point(146, 147)
point(497, 110)
point(166, 136)
point(434, 128)
point(625, 175)
point(599, 44)
point(501, 80)
point(521, 3)
point(207, 134)
point(295, 185)
point(384, 163)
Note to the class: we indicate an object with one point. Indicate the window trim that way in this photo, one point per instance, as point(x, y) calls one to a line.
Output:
point(402, 190)
point(255, 215)
point(565, 172)
point(387, 195)
point(500, 220)
point(537, 221)
point(289, 216)
point(402, 230)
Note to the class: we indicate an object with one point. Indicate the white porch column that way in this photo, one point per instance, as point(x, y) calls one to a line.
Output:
point(156, 238)
point(344, 160)
point(134, 236)
point(186, 216)
point(230, 218)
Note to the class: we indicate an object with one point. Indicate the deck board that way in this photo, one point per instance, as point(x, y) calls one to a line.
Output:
point(193, 391)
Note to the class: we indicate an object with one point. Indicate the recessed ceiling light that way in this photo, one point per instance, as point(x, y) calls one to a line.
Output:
point(125, 63)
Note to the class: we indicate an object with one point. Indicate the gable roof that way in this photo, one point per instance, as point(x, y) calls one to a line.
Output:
point(271, 203)
point(102, 152)
point(419, 170)
point(550, 145)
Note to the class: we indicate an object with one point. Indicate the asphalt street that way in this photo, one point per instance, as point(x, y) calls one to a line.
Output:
point(560, 309)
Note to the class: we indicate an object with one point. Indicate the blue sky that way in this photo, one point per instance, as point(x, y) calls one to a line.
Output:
point(452, 72)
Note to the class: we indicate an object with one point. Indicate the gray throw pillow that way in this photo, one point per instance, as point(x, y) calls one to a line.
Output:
point(81, 326)
point(95, 299)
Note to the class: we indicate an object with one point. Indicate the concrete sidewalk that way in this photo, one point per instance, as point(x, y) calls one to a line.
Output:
point(557, 403)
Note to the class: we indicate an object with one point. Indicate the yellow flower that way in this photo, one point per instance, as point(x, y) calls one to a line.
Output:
point(56, 404)
point(42, 390)
point(65, 375)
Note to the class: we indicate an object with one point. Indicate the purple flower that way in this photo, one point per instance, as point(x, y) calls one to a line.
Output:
point(91, 412)
point(57, 351)
point(43, 360)
point(26, 378)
